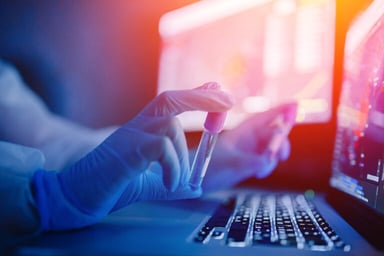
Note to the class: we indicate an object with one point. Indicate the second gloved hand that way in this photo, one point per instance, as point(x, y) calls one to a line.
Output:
point(252, 149)
point(145, 159)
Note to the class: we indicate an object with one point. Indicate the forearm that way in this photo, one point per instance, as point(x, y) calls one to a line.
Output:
point(18, 216)
point(66, 142)
point(27, 121)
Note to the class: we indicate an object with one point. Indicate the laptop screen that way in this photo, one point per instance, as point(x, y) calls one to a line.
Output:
point(357, 168)
point(263, 52)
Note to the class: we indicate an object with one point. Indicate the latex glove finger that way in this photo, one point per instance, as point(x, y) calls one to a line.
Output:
point(179, 143)
point(250, 150)
point(263, 131)
point(168, 161)
point(149, 186)
point(262, 165)
point(285, 150)
point(95, 182)
point(281, 127)
point(207, 98)
point(261, 123)
point(170, 127)
point(148, 148)
point(234, 167)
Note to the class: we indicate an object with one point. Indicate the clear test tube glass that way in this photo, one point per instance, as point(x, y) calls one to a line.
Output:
point(214, 123)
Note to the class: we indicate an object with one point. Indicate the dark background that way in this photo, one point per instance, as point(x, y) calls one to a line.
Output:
point(95, 62)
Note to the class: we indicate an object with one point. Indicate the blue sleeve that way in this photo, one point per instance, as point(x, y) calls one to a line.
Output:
point(56, 211)
point(19, 217)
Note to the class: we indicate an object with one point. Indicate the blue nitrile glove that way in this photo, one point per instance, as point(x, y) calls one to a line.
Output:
point(252, 149)
point(145, 159)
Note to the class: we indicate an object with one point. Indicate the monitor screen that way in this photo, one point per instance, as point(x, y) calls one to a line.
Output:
point(263, 52)
point(357, 168)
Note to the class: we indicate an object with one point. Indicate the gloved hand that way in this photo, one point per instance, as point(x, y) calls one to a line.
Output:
point(253, 149)
point(145, 159)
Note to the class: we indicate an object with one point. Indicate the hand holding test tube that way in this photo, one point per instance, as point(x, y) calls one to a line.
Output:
point(213, 125)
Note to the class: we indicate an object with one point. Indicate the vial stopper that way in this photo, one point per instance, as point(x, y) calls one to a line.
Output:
point(214, 122)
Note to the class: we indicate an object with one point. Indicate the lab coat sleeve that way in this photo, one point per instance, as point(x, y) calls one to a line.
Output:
point(26, 120)
point(18, 216)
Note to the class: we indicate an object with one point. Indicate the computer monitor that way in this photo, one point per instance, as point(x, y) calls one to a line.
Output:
point(263, 52)
point(357, 168)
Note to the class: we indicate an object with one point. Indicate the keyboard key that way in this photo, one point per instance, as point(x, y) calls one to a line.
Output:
point(219, 218)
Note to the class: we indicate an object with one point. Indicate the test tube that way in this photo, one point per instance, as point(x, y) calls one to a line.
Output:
point(278, 138)
point(213, 124)
point(282, 125)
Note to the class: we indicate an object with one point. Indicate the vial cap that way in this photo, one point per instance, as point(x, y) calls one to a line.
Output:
point(214, 122)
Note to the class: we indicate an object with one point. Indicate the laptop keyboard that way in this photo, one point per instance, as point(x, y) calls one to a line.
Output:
point(278, 220)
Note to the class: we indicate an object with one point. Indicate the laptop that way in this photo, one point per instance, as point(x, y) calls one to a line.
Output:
point(346, 219)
